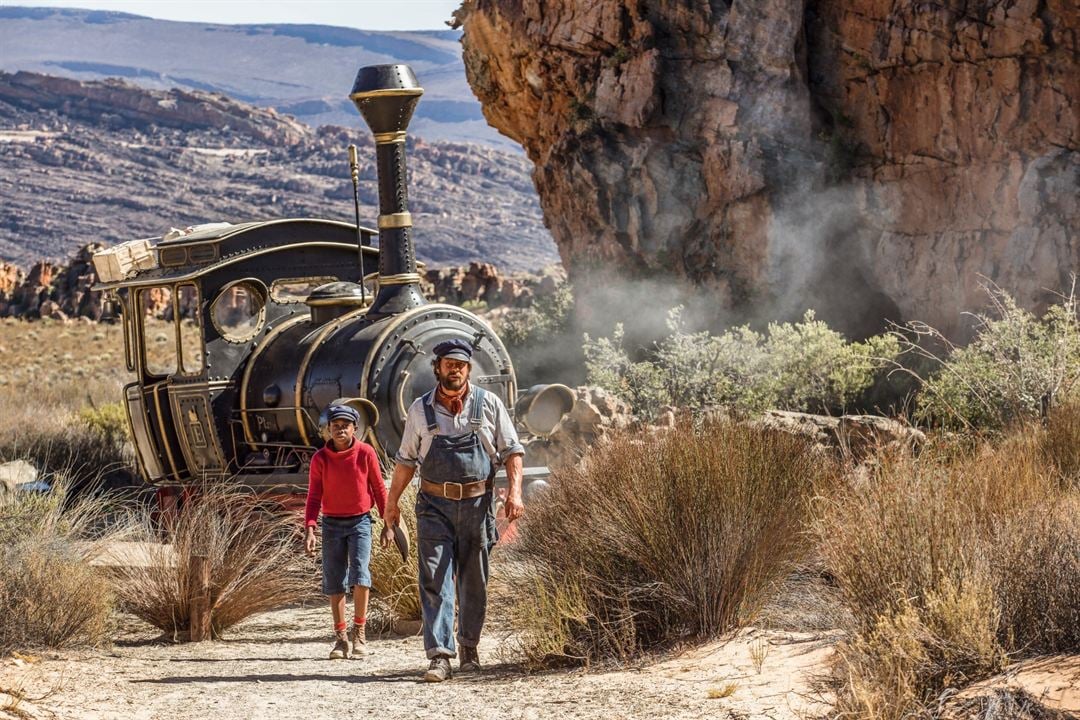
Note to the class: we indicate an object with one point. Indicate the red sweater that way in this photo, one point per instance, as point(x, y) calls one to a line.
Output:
point(343, 484)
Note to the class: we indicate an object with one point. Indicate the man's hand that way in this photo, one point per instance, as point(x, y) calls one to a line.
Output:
point(392, 514)
point(514, 507)
point(309, 540)
point(387, 537)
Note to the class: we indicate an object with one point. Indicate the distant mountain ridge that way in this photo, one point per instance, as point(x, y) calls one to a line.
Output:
point(303, 70)
point(109, 161)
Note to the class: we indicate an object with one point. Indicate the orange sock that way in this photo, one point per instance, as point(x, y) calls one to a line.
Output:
point(359, 620)
point(339, 627)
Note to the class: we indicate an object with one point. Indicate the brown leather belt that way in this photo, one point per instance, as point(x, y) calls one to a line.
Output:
point(455, 491)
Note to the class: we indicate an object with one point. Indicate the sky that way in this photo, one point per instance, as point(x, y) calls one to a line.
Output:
point(363, 14)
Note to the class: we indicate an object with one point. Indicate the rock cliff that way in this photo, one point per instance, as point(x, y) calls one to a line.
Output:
point(868, 158)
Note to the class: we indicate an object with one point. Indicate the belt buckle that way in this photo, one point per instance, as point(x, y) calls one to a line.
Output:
point(451, 497)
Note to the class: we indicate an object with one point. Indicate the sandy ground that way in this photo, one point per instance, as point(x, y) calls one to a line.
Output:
point(275, 666)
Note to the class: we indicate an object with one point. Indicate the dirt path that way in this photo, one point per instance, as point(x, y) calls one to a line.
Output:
point(274, 666)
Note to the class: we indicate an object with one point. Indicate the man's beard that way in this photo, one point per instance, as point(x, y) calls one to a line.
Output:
point(452, 385)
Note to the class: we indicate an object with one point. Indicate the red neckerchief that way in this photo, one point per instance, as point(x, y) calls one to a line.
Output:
point(454, 402)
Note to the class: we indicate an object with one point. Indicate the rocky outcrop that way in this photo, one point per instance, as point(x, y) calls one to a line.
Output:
point(870, 159)
point(64, 291)
point(110, 162)
point(114, 103)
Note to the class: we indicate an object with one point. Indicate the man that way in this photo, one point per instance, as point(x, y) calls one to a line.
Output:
point(457, 435)
point(344, 482)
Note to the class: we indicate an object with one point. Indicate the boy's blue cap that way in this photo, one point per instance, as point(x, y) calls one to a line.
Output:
point(345, 412)
point(455, 349)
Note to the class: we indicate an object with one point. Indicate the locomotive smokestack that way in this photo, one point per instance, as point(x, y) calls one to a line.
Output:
point(386, 96)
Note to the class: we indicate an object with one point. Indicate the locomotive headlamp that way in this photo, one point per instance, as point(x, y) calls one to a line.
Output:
point(542, 407)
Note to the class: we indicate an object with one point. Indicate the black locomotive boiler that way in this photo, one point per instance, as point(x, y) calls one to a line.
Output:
point(241, 335)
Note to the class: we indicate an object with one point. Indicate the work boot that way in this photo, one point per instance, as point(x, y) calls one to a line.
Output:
point(358, 640)
point(470, 660)
point(438, 670)
point(341, 647)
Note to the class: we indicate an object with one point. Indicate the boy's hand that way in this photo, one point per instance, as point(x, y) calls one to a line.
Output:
point(309, 540)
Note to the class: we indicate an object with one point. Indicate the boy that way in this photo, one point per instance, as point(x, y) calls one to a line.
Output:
point(344, 483)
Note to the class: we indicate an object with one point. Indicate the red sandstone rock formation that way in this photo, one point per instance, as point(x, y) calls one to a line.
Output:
point(869, 158)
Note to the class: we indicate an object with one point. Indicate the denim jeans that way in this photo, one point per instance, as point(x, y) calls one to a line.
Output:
point(454, 540)
point(346, 551)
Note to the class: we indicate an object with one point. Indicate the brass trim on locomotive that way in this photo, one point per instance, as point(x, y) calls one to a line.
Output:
point(387, 138)
point(395, 220)
point(264, 296)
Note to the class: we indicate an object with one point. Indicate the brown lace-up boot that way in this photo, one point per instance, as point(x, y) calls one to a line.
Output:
point(341, 647)
point(358, 640)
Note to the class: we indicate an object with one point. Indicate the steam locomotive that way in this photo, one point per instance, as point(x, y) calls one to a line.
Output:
point(241, 335)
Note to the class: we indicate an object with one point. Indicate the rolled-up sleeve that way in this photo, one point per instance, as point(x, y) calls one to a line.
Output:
point(506, 437)
point(409, 451)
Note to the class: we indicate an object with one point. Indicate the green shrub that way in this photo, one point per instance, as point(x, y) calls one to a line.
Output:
point(1017, 366)
point(109, 420)
point(792, 366)
point(661, 537)
point(539, 323)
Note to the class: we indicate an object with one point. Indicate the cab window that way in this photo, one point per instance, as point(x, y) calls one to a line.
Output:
point(239, 309)
point(155, 308)
point(190, 326)
point(296, 290)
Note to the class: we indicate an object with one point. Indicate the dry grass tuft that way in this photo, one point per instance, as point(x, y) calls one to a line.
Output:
point(50, 596)
point(1060, 443)
point(256, 563)
point(950, 564)
point(395, 590)
point(661, 537)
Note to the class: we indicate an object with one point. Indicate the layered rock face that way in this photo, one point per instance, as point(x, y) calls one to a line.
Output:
point(871, 159)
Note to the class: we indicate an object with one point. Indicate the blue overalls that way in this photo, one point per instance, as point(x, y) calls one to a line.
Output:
point(454, 537)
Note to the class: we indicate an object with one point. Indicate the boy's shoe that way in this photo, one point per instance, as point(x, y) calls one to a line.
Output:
point(470, 660)
point(341, 648)
point(358, 640)
point(438, 670)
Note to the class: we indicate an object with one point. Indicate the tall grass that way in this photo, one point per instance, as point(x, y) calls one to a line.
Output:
point(50, 596)
point(661, 537)
point(254, 556)
point(950, 565)
point(396, 591)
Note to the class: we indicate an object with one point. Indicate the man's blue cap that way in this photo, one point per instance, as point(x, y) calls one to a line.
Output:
point(455, 349)
point(342, 412)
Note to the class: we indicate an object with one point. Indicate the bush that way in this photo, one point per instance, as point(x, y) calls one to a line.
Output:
point(1016, 368)
point(109, 421)
point(950, 564)
point(1060, 444)
point(793, 366)
point(50, 596)
point(540, 339)
point(660, 537)
point(255, 557)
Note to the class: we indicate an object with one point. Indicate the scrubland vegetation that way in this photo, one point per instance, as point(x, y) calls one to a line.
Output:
point(49, 594)
point(943, 566)
point(663, 537)
point(253, 552)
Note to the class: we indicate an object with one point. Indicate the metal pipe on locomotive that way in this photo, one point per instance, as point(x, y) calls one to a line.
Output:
point(241, 335)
